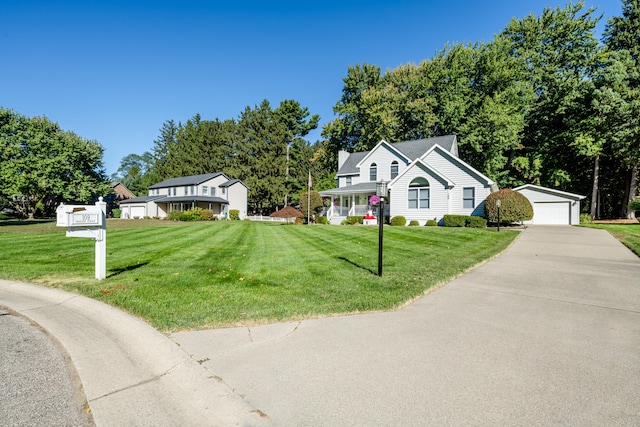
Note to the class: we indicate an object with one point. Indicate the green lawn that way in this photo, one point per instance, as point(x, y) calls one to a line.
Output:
point(215, 274)
point(628, 234)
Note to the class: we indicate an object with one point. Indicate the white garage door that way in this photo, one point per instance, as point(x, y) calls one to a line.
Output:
point(137, 212)
point(551, 213)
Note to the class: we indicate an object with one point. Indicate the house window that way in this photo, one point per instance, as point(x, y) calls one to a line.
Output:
point(175, 190)
point(213, 191)
point(192, 190)
point(373, 172)
point(186, 190)
point(468, 198)
point(418, 194)
point(224, 191)
point(348, 180)
point(205, 190)
point(394, 169)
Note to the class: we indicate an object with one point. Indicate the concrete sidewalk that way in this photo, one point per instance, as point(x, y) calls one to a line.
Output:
point(548, 333)
point(132, 374)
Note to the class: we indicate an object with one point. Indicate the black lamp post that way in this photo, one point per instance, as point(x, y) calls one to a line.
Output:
point(498, 204)
point(381, 191)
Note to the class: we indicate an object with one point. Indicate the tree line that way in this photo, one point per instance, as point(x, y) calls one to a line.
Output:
point(264, 147)
point(543, 102)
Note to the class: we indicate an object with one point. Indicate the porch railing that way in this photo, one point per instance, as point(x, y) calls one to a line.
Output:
point(360, 210)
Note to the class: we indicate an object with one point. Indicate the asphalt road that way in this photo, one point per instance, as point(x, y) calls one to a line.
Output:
point(38, 386)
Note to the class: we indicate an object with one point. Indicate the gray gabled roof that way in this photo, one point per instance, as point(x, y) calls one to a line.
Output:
point(231, 182)
point(415, 149)
point(362, 187)
point(187, 180)
point(411, 149)
point(189, 199)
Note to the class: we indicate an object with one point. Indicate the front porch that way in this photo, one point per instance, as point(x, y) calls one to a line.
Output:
point(350, 201)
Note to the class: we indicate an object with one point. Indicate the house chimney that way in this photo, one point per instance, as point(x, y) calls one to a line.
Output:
point(342, 157)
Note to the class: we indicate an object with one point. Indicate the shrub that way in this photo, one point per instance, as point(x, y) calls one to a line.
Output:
point(234, 214)
point(116, 213)
point(476, 222)
point(355, 219)
point(206, 215)
point(322, 220)
point(413, 223)
point(398, 221)
point(299, 221)
point(192, 214)
point(515, 207)
point(432, 223)
point(174, 215)
point(455, 220)
point(585, 219)
point(634, 205)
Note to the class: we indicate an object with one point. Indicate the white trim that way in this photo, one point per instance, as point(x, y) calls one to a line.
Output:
point(549, 191)
point(416, 162)
point(460, 162)
point(393, 150)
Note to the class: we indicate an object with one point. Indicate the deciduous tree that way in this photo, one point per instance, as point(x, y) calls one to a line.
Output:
point(41, 165)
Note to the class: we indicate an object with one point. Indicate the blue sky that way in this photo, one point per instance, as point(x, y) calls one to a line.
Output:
point(115, 71)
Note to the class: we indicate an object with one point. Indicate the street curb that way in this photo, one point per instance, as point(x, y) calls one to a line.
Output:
point(131, 373)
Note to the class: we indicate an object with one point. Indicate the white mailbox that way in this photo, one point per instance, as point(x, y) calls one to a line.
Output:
point(79, 216)
point(90, 222)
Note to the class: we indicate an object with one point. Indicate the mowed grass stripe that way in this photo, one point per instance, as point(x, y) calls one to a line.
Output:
point(221, 273)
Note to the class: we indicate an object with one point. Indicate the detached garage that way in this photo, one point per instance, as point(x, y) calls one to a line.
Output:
point(552, 207)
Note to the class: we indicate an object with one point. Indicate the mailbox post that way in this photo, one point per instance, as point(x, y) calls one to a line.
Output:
point(89, 222)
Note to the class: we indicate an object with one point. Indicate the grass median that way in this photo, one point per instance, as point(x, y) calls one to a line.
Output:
point(628, 234)
point(183, 276)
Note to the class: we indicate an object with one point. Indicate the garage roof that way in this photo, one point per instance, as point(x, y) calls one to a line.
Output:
point(551, 191)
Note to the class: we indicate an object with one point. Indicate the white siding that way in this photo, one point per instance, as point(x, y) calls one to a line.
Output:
point(537, 196)
point(438, 196)
point(463, 177)
point(382, 157)
point(551, 208)
point(214, 182)
point(237, 196)
point(355, 179)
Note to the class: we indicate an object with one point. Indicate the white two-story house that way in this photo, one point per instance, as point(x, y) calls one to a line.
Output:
point(425, 179)
point(213, 191)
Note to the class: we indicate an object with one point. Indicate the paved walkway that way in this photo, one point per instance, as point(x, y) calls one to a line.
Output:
point(548, 333)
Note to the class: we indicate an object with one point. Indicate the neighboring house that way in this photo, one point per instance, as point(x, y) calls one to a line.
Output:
point(213, 191)
point(550, 206)
point(426, 180)
point(120, 193)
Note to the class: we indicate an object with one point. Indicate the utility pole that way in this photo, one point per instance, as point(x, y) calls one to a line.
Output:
point(286, 193)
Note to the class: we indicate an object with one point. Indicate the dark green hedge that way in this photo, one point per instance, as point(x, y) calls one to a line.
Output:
point(515, 207)
point(455, 220)
point(398, 220)
point(464, 221)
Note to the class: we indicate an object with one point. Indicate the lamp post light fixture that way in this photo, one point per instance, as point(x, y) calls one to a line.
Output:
point(381, 191)
point(498, 204)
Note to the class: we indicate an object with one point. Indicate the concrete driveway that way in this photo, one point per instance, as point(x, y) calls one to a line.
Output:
point(548, 333)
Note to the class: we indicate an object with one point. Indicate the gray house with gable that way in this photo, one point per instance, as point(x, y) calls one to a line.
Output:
point(213, 191)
